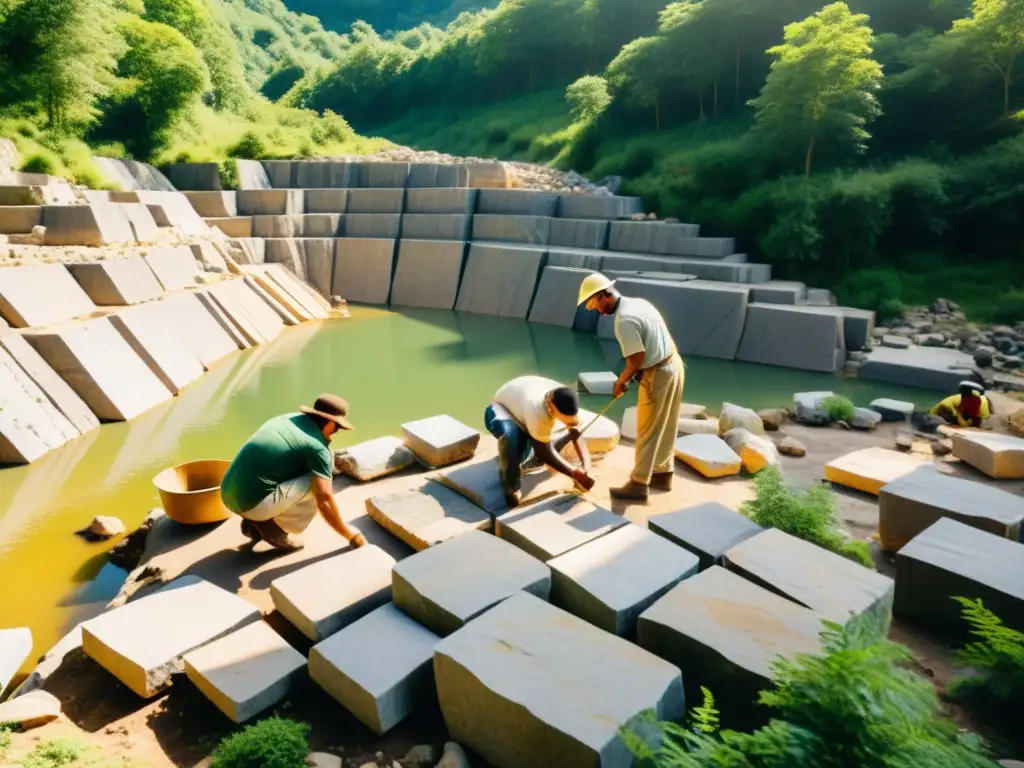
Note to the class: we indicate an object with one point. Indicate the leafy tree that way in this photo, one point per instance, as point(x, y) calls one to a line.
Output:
point(823, 82)
point(995, 33)
point(588, 97)
point(635, 73)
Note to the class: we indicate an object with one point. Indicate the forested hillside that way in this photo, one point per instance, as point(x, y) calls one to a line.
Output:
point(386, 15)
point(875, 146)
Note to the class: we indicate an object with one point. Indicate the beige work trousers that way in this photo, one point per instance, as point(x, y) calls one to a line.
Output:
point(657, 419)
point(291, 505)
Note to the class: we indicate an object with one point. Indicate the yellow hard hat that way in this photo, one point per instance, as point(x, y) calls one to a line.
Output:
point(593, 284)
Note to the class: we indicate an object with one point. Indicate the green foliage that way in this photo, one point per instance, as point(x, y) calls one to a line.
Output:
point(994, 35)
point(271, 743)
point(42, 162)
point(704, 719)
point(588, 98)
point(228, 172)
point(809, 514)
point(839, 408)
point(995, 661)
point(1009, 308)
point(249, 147)
point(52, 754)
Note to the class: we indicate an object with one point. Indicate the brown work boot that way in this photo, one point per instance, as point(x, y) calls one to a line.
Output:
point(631, 491)
point(249, 530)
point(513, 499)
point(662, 481)
point(277, 537)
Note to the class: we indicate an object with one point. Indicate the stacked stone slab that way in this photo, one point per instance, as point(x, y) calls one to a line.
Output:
point(556, 526)
point(117, 282)
point(30, 425)
point(793, 337)
point(499, 280)
point(555, 302)
point(154, 332)
point(93, 225)
point(427, 516)
point(41, 294)
point(707, 530)
point(362, 269)
point(428, 273)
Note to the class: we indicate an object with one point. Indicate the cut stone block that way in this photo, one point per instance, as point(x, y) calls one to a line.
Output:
point(279, 226)
point(373, 225)
point(246, 672)
point(556, 526)
point(30, 425)
point(318, 263)
point(725, 634)
point(793, 337)
point(297, 288)
point(428, 273)
point(383, 174)
point(609, 582)
point(840, 589)
point(362, 269)
point(708, 530)
point(143, 225)
point(248, 250)
point(555, 302)
point(95, 225)
point(436, 226)
point(892, 410)
point(499, 280)
point(426, 516)
point(436, 176)
point(480, 482)
point(142, 643)
point(922, 367)
point(865, 418)
point(313, 174)
point(440, 201)
point(912, 503)
point(446, 586)
point(328, 595)
point(597, 383)
point(15, 646)
point(94, 359)
point(279, 172)
point(535, 230)
point(378, 668)
point(20, 219)
point(709, 455)
point(578, 233)
point(999, 456)
point(214, 204)
point(41, 294)
point(488, 175)
point(270, 202)
point(194, 176)
point(32, 710)
point(517, 202)
point(779, 292)
point(240, 226)
point(440, 440)
point(326, 200)
point(253, 316)
point(251, 175)
point(25, 194)
point(175, 268)
point(755, 451)
point(154, 332)
point(288, 251)
point(199, 328)
point(168, 209)
point(949, 560)
point(287, 308)
point(117, 282)
point(376, 201)
point(868, 469)
point(598, 206)
point(655, 237)
point(697, 427)
point(529, 685)
point(375, 458)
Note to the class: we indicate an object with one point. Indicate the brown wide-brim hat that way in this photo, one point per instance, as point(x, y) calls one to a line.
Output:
point(330, 407)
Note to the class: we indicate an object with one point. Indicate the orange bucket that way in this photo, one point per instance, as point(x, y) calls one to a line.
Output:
point(190, 492)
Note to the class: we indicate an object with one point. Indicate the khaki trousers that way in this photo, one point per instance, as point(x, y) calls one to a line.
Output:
point(291, 505)
point(657, 419)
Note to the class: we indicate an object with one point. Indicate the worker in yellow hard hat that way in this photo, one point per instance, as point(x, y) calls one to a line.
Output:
point(649, 351)
point(968, 408)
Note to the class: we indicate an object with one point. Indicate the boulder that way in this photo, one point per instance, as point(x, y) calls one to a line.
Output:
point(323, 760)
point(709, 455)
point(790, 446)
point(904, 442)
point(15, 646)
point(807, 408)
point(733, 416)
point(426, 516)
point(865, 418)
point(772, 419)
point(31, 710)
point(697, 426)
point(896, 342)
point(707, 530)
point(105, 527)
point(556, 526)
point(942, 447)
point(755, 451)
point(999, 456)
point(440, 440)
point(597, 383)
point(375, 458)
point(868, 469)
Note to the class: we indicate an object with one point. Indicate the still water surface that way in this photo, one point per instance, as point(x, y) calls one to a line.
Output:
point(391, 367)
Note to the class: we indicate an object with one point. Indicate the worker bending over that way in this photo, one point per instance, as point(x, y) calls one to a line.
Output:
point(522, 416)
point(968, 408)
point(283, 475)
point(650, 351)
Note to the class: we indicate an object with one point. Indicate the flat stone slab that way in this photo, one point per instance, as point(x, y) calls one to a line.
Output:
point(793, 337)
point(30, 425)
point(528, 684)
point(440, 201)
point(556, 526)
point(102, 368)
point(199, 328)
point(20, 219)
point(707, 530)
point(837, 588)
point(922, 367)
point(41, 294)
point(376, 200)
point(269, 202)
point(175, 268)
point(609, 582)
point(95, 225)
point(246, 672)
point(499, 279)
point(330, 594)
point(428, 273)
point(597, 383)
point(214, 204)
point(868, 469)
point(892, 410)
point(708, 454)
point(436, 226)
point(999, 456)
point(15, 646)
point(143, 225)
point(154, 332)
point(362, 269)
point(555, 302)
point(117, 282)
point(912, 503)
point(446, 586)
point(480, 482)
point(32, 710)
point(252, 316)
point(725, 634)
point(378, 668)
point(375, 458)
point(896, 342)
point(427, 516)
point(142, 643)
point(950, 559)
point(602, 435)
point(440, 440)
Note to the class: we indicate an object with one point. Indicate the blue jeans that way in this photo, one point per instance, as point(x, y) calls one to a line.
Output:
point(514, 448)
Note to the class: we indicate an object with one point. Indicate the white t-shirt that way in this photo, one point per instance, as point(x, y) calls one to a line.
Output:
point(522, 400)
point(639, 327)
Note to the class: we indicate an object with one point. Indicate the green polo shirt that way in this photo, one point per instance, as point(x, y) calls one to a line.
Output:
point(284, 448)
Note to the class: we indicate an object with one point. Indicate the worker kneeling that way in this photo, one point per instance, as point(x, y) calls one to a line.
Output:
point(283, 475)
point(523, 416)
point(968, 408)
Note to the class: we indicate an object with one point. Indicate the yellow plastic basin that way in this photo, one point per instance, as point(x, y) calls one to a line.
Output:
point(190, 492)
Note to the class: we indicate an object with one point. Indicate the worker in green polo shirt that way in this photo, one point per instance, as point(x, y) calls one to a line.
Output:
point(283, 475)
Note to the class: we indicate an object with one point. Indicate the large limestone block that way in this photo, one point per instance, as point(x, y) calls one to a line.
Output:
point(436, 176)
point(654, 237)
point(428, 273)
point(299, 288)
point(372, 225)
point(555, 302)
point(388, 175)
point(527, 684)
point(375, 458)
point(154, 332)
point(602, 435)
point(598, 206)
point(597, 382)
point(279, 226)
point(708, 454)
point(214, 204)
point(733, 416)
point(246, 672)
point(892, 410)
point(143, 225)
point(15, 646)
point(807, 408)
point(30, 425)
point(487, 174)
point(779, 292)
point(499, 280)
point(709, 530)
point(378, 668)
point(326, 200)
point(998, 456)
point(142, 643)
point(436, 226)
point(95, 225)
point(41, 294)
point(94, 359)
point(440, 440)
point(20, 219)
point(328, 595)
point(923, 367)
point(287, 251)
point(423, 517)
point(612, 580)
point(312, 174)
point(446, 586)
point(238, 226)
point(252, 316)
point(279, 173)
point(201, 329)
point(56, 389)
point(793, 337)
point(725, 634)
point(318, 263)
point(578, 233)
point(480, 482)
point(270, 202)
point(827, 583)
point(289, 311)
point(251, 175)
point(362, 269)
point(462, 201)
point(910, 504)
point(755, 451)
point(117, 282)
point(556, 526)
point(535, 230)
point(194, 176)
point(175, 268)
point(949, 560)
point(517, 202)
point(376, 201)
point(868, 469)
point(169, 209)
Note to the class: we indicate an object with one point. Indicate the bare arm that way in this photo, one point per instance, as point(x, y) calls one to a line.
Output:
point(547, 453)
point(323, 492)
point(633, 363)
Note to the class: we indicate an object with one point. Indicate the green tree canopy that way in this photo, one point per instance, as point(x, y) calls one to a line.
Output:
point(994, 32)
point(588, 97)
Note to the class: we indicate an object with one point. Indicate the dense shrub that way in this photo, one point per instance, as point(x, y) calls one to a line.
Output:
point(250, 147)
point(53, 754)
point(271, 743)
point(995, 660)
point(839, 408)
point(40, 163)
point(875, 289)
point(1009, 308)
